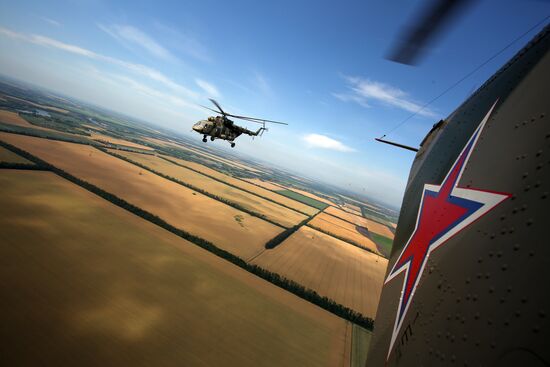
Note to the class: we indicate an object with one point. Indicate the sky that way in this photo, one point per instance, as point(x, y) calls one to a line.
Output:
point(318, 65)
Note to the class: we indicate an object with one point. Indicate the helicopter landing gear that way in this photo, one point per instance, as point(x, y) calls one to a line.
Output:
point(204, 139)
point(212, 138)
point(232, 145)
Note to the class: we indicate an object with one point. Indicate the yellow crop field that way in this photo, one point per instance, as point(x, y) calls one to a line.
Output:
point(352, 207)
point(379, 229)
point(342, 229)
point(361, 221)
point(10, 157)
point(13, 118)
point(349, 275)
point(247, 186)
point(226, 227)
point(265, 184)
point(337, 212)
point(112, 140)
point(275, 212)
point(86, 283)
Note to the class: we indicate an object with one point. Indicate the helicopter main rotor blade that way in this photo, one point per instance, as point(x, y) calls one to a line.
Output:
point(253, 119)
point(415, 38)
point(211, 109)
point(246, 118)
point(217, 105)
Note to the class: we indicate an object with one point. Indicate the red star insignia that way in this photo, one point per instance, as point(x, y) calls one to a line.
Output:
point(444, 211)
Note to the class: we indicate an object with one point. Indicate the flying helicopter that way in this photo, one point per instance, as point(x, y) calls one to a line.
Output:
point(221, 127)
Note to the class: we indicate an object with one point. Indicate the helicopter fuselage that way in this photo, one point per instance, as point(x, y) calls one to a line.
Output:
point(217, 128)
point(222, 128)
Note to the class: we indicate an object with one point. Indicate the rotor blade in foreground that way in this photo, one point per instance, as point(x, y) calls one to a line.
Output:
point(217, 105)
point(415, 38)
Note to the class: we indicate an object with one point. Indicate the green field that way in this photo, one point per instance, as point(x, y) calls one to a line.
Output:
point(383, 243)
point(375, 216)
point(359, 346)
point(87, 283)
point(303, 199)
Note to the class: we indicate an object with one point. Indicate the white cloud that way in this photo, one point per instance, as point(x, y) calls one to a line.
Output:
point(365, 91)
point(208, 88)
point(131, 36)
point(135, 68)
point(324, 142)
point(51, 21)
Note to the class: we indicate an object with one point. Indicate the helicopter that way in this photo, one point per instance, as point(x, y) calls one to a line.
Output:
point(221, 127)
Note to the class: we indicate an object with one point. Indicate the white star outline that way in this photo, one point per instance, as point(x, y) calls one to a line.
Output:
point(489, 200)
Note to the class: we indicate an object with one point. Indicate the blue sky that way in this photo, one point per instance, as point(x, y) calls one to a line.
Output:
point(318, 65)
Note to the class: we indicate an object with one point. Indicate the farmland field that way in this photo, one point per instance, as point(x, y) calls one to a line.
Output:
point(179, 206)
point(360, 346)
point(247, 186)
point(313, 196)
point(303, 199)
point(13, 118)
point(364, 222)
point(276, 213)
point(206, 155)
point(265, 184)
point(10, 157)
point(349, 275)
point(112, 140)
point(342, 229)
point(87, 283)
point(383, 243)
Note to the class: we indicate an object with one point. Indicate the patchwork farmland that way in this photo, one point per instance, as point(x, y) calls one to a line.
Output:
point(132, 293)
point(150, 238)
point(177, 205)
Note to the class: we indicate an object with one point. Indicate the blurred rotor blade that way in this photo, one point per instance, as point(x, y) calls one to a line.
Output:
point(415, 38)
point(211, 109)
point(253, 119)
point(217, 105)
